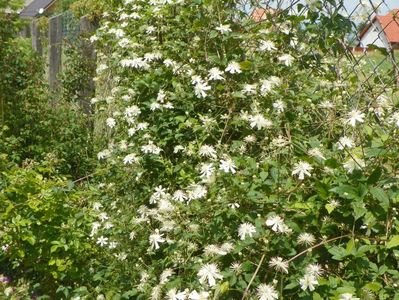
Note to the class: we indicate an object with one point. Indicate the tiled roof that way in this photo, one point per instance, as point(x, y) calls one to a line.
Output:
point(260, 14)
point(389, 23)
point(33, 8)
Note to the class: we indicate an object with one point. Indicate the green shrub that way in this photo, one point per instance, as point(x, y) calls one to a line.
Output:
point(240, 164)
point(44, 228)
point(35, 123)
point(239, 161)
point(14, 290)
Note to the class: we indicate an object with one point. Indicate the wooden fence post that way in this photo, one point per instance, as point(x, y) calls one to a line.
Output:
point(86, 30)
point(36, 38)
point(55, 50)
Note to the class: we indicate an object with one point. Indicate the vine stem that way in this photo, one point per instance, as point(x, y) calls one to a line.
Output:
point(350, 154)
point(290, 260)
point(316, 246)
point(84, 178)
point(253, 277)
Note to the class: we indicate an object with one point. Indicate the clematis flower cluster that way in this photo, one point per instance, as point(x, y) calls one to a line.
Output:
point(226, 147)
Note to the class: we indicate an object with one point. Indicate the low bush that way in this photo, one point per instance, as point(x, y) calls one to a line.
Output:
point(44, 234)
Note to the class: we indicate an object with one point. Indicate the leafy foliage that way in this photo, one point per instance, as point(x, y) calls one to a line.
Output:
point(78, 73)
point(31, 117)
point(238, 160)
point(242, 164)
point(44, 227)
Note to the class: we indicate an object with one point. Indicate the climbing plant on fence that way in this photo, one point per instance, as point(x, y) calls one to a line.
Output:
point(241, 160)
point(245, 153)
point(30, 117)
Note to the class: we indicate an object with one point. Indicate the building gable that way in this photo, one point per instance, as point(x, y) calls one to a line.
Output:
point(374, 35)
point(382, 31)
point(32, 10)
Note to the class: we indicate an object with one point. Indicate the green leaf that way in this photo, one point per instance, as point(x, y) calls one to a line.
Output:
point(129, 294)
point(81, 290)
point(246, 65)
point(53, 248)
point(213, 34)
point(375, 152)
point(373, 286)
point(368, 130)
point(21, 253)
point(375, 176)
point(8, 210)
point(345, 191)
point(181, 119)
point(263, 175)
point(350, 246)
point(346, 289)
point(116, 297)
point(316, 296)
point(338, 252)
point(301, 206)
point(330, 208)
point(322, 190)
point(291, 285)
point(30, 239)
point(362, 250)
point(359, 210)
point(224, 287)
point(381, 196)
point(393, 242)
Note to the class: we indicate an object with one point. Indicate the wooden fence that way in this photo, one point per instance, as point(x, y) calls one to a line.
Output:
point(55, 46)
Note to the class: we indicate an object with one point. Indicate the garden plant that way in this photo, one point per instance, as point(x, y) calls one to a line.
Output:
point(238, 158)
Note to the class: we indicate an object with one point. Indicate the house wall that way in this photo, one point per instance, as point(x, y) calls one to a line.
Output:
point(374, 36)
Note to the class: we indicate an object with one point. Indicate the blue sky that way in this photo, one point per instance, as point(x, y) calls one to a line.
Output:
point(350, 4)
point(390, 4)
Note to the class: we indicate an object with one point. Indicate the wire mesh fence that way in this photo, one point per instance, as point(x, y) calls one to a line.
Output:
point(70, 26)
point(64, 34)
point(369, 42)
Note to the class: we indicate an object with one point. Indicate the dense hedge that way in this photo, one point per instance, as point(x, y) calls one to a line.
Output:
point(239, 160)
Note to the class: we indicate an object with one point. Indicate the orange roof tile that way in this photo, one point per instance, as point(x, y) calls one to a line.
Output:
point(260, 14)
point(389, 23)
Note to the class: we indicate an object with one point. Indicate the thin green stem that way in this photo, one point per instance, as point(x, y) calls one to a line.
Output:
point(317, 246)
point(253, 277)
